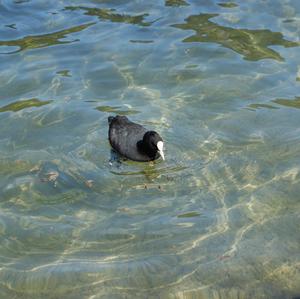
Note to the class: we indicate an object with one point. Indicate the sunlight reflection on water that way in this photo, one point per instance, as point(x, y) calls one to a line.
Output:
point(219, 218)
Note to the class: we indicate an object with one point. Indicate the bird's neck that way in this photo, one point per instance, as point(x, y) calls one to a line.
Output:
point(141, 146)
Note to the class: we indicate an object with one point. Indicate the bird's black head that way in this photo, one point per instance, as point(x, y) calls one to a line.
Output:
point(152, 144)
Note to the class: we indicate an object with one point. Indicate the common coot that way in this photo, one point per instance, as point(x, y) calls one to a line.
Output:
point(133, 141)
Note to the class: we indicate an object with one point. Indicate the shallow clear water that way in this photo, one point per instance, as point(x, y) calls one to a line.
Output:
point(219, 218)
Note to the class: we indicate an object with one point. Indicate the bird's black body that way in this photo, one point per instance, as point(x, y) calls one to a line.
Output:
point(132, 140)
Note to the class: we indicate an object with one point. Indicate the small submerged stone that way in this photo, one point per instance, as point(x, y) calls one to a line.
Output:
point(89, 183)
point(35, 168)
point(50, 176)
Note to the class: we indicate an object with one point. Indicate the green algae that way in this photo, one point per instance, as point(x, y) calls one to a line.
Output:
point(295, 103)
point(251, 44)
point(189, 215)
point(117, 110)
point(176, 3)
point(20, 105)
point(228, 4)
point(44, 40)
point(111, 15)
point(259, 106)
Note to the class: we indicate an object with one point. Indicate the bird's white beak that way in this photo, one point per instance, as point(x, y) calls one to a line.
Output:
point(160, 146)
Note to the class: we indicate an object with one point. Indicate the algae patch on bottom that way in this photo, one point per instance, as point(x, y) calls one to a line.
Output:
point(20, 105)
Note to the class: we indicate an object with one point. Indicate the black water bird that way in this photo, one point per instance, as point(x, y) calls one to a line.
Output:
point(133, 141)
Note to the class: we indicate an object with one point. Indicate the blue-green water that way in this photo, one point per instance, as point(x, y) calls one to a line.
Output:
point(219, 80)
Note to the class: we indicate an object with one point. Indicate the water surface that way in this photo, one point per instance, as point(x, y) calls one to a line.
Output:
point(219, 218)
